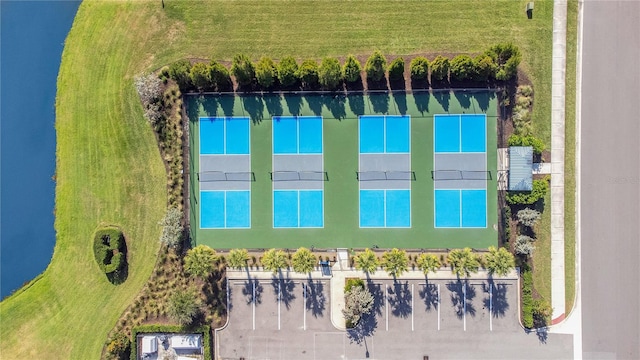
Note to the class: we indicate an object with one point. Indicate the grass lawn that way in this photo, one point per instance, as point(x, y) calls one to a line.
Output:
point(341, 201)
point(109, 169)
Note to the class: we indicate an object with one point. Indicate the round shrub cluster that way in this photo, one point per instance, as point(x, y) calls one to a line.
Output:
point(110, 249)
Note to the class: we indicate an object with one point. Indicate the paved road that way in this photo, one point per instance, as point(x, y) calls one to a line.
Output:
point(610, 178)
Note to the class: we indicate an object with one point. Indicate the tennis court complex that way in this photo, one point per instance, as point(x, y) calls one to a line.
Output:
point(361, 170)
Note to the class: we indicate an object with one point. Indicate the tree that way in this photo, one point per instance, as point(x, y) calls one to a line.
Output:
point(219, 76)
point(462, 68)
point(358, 302)
point(396, 69)
point(419, 68)
point(274, 260)
point(499, 261)
point(376, 66)
point(351, 69)
point(440, 68)
point(183, 307)
point(118, 345)
point(288, 71)
point(266, 72)
point(303, 261)
point(463, 262)
point(243, 70)
point(485, 68)
point(238, 258)
point(199, 76)
point(172, 228)
point(507, 57)
point(428, 263)
point(179, 71)
point(395, 262)
point(537, 144)
point(150, 92)
point(308, 74)
point(367, 261)
point(200, 261)
point(329, 73)
point(524, 245)
point(528, 217)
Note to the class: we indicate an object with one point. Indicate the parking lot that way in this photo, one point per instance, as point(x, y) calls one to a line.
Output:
point(282, 318)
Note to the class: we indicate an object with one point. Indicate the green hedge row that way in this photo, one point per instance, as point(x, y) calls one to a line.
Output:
point(540, 189)
point(527, 299)
point(499, 62)
point(537, 144)
point(110, 249)
point(205, 330)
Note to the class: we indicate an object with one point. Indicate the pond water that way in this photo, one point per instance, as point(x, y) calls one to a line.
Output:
point(32, 38)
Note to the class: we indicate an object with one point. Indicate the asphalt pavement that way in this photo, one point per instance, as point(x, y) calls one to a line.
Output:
point(610, 180)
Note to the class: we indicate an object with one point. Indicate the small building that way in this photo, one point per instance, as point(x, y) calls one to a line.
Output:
point(149, 345)
point(186, 342)
point(520, 168)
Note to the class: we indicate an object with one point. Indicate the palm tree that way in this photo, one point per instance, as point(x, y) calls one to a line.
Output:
point(367, 261)
point(200, 261)
point(428, 263)
point(238, 258)
point(395, 262)
point(303, 261)
point(499, 261)
point(274, 260)
point(463, 262)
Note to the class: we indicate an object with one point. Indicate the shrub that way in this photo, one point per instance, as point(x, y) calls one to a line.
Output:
point(419, 68)
point(183, 307)
point(243, 70)
point(376, 66)
point(396, 69)
point(524, 245)
point(353, 282)
point(525, 90)
point(507, 58)
point(351, 69)
point(219, 76)
point(150, 92)
point(440, 68)
point(506, 216)
point(527, 299)
point(308, 74)
point(542, 312)
point(537, 144)
point(172, 228)
point(118, 345)
point(485, 68)
point(329, 73)
point(109, 249)
point(199, 76)
point(540, 189)
point(462, 68)
point(266, 72)
point(528, 217)
point(180, 72)
point(288, 71)
point(358, 302)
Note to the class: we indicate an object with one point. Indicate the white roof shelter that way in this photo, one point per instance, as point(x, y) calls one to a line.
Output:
point(186, 342)
point(149, 344)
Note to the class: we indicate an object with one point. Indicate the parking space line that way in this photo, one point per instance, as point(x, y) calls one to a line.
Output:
point(304, 307)
point(464, 306)
point(411, 307)
point(253, 304)
point(438, 307)
point(386, 305)
point(279, 301)
point(490, 308)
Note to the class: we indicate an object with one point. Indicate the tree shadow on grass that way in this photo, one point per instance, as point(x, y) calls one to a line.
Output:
point(443, 97)
point(356, 103)
point(254, 106)
point(315, 103)
point(335, 104)
point(294, 103)
point(400, 98)
point(274, 104)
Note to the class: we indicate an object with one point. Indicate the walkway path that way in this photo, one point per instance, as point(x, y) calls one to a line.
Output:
point(558, 66)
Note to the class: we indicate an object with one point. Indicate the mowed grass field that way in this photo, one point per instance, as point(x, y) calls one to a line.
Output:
point(109, 168)
point(341, 195)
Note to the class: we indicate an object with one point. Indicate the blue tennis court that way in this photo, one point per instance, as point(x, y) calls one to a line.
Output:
point(384, 134)
point(225, 209)
point(460, 208)
point(460, 133)
point(224, 135)
point(385, 208)
point(297, 135)
point(298, 209)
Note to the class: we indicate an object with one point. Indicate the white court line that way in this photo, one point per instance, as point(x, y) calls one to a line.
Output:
point(464, 307)
point(438, 307)
point(386, 305)
point(490, 308)
point(304, 307)
point(279, 302)
point(253, 302)
point(411, 307)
